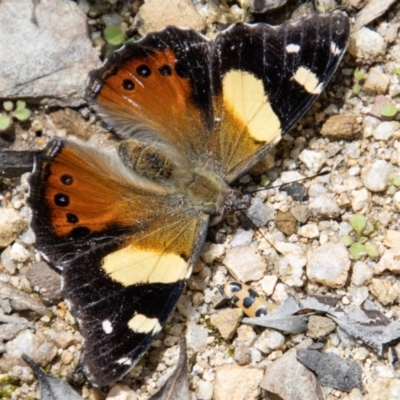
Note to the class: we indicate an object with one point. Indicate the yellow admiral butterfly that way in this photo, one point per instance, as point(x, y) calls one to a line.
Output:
point(127, 225)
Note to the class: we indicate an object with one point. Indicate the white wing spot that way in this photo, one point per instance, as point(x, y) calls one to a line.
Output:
point(139, 323)
point(107, 327)
point(293, 48)
point(124, 361)
point(335, 50)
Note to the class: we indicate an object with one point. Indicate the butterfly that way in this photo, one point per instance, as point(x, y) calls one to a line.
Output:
point(126, 225)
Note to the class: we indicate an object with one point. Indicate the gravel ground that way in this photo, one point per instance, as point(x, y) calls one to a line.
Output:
point(319, 251)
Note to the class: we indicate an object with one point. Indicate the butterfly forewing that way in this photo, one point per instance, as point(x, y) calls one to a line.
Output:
point(264, 83)
point(160, 84)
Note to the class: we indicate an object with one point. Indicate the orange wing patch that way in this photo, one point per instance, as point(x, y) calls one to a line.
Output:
point(153, 92)
point(73, 183)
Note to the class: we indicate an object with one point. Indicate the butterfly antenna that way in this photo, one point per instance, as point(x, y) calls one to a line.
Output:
point(255, 227)
point(288, 183)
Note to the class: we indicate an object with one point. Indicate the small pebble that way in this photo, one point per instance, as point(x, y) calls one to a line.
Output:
point(375, 176)
point(365, 41)
point(329, 265)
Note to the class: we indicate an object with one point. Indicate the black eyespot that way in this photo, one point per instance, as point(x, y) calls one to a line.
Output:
point(72, 218)
point(234, 299)
point(247, 302)
point(61, 200)
point(143, 70)
point(165, 70)
point(67, 179)
point(128, 84)
point(260, 312)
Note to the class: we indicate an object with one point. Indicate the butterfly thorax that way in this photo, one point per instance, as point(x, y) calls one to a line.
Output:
point(204, 189)
point(201, 188)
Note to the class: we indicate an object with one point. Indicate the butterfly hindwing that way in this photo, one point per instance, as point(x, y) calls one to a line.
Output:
point(125, 254)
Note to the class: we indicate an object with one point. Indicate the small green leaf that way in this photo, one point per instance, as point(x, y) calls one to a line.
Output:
point(21, 104)
point(141, 362)
point(397, 70)
point(264, 181)
point(357, 250)
point(5, 122)
point(362, 240)
point(389, 110)
point(359, 74)
point(392, 189)
point(346, 240)
point(114, 35)
point(358, 223)
point(8, 105)
point(396, 180)
point(372, 250)
point(22, 114)
point(356, 88)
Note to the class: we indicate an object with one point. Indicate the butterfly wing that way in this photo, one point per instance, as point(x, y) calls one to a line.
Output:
point(265, 78)
point(160, 86)
point(124, 259)
point(226, 102)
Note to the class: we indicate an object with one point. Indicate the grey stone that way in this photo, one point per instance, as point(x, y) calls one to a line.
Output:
point(245, 263)
point(196, 337)
point(324, 207)
point(288, 379)
point(43, 278)
point(329, 265)
point(11, 222)
point(155, 15)
point(375, 176)
point(239, 383)
point(365, 41)
point(227, 321)
point(319, 326)
point(20, 301)
point(55, 70)
point(331, 369)
point(259, 213)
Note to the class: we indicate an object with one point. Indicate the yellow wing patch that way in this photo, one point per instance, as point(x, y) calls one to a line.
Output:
point(244, 95)
point(308, 80)
point(131, 265)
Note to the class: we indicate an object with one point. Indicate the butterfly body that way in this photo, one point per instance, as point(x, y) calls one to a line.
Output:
point(126, 224)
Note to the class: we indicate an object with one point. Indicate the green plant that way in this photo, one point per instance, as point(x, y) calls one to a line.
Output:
point(394, 181)
point(359, 75)
point(389, 111)
point(361, 246)
point(20, 113)
point(114, 35)
point(8, 384)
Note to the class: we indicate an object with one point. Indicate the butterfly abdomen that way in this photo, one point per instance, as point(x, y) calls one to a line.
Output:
point(145, 160)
